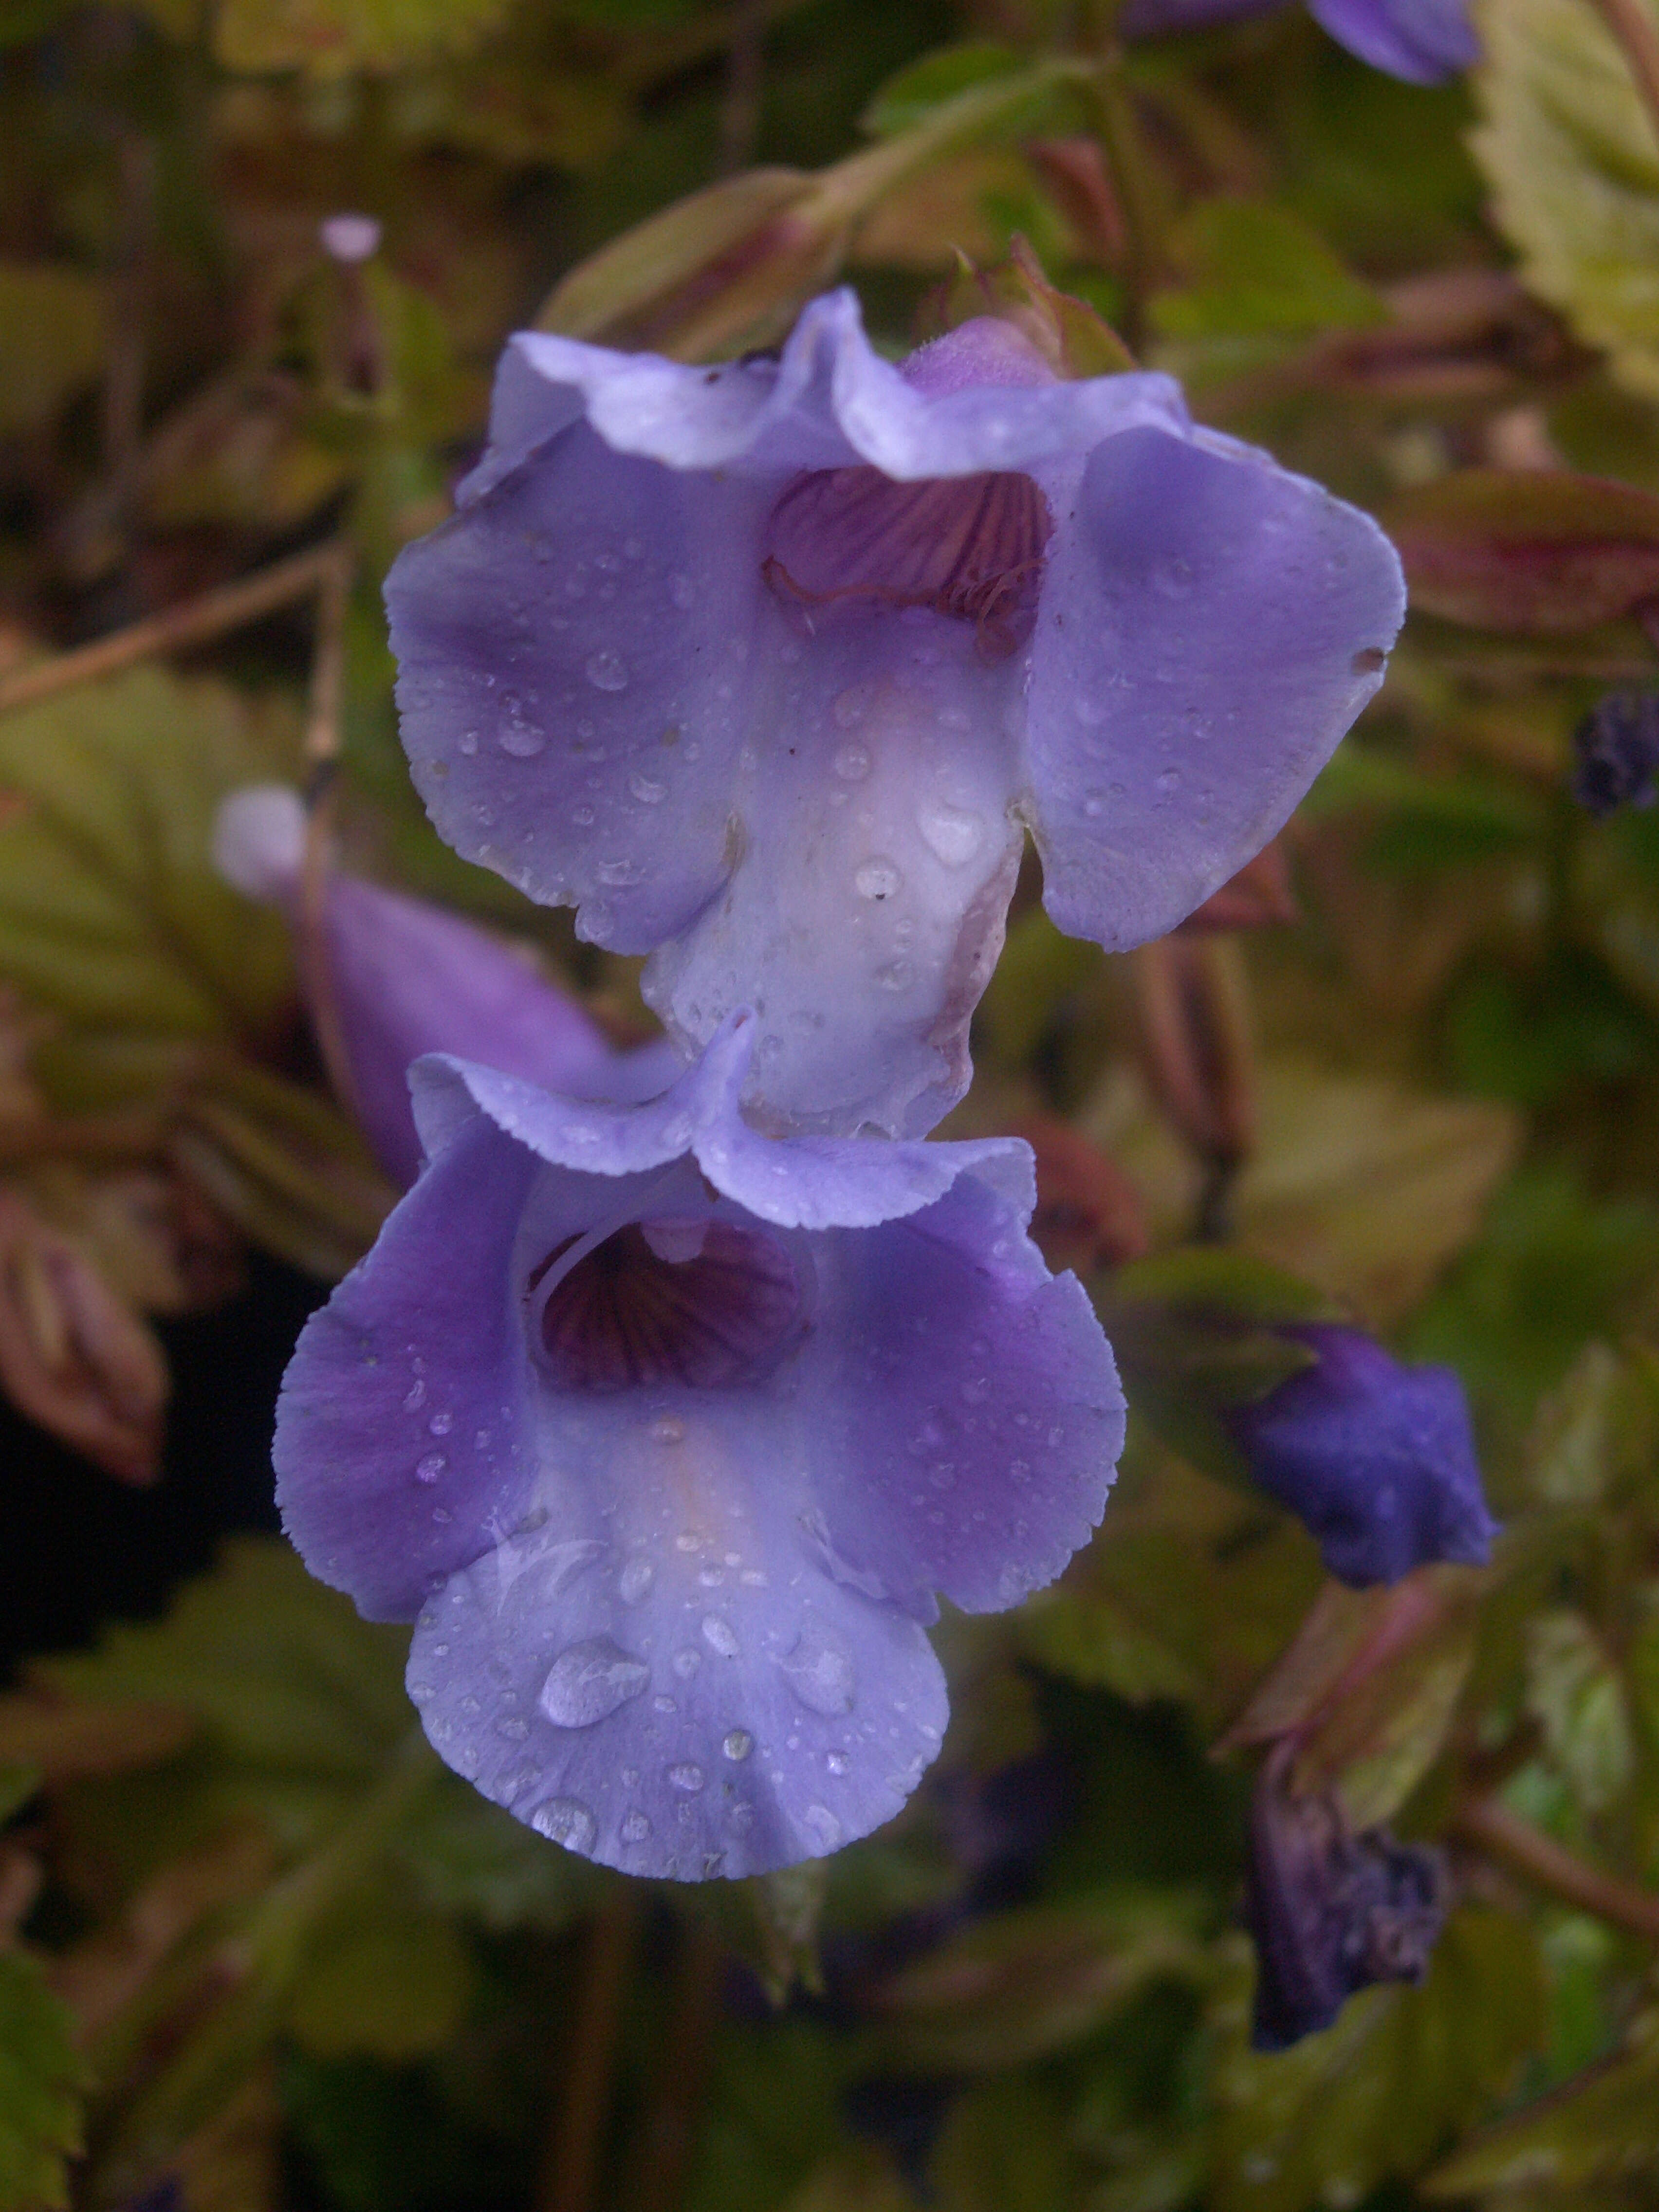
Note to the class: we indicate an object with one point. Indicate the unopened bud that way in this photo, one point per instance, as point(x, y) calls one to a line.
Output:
point(1616, 752)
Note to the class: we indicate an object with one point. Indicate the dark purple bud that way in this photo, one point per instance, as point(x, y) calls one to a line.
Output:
point(1616, 752)
point(1376, 1459)
point(1330, 1911)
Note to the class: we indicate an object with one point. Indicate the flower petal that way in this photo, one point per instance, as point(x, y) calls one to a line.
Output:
point(659, 1678)
point(571, 677)
point(1421, 41)
point(1211, 625)
point(399, 1431)
point(966, 1404)
point(877, 857)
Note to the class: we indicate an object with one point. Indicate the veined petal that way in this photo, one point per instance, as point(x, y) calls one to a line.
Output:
point(1421, 41)
point(1211, 625)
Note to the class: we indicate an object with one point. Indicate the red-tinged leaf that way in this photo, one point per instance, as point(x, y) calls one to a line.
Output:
point(1525, 550)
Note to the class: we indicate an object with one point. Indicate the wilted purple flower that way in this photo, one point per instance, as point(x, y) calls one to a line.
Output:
point(1330, 1911)
point(407, 978)
point(1421, 41)
point(1377, 1459)
point(768, 667)
point(670, 1431)
point(1616, 752)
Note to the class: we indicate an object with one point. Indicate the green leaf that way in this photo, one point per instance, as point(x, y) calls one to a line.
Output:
point(382, 1977)
point(51, 340)
point(111, 916)
point(1003, 2149)
point(911, 96)
point(41, 2078)
point(331, 38)
point(1569, 151)
point(1376, 2093)
point(1258, 271)
point(1014, 1988)
point(1575, 1694)
point(1599, 2129)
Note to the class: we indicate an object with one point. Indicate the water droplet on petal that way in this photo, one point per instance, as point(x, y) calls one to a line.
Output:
point(666, 1431)
point(646, 789)
point(836, 1761)
point(606, 670)
point(441, 1423)
point(876, 878)
point(467, 743)
point(635, 1828)
point(565, 1821)
point(895, 975)
point(429, 1468)
point(589, 1680)
point(520, 737)
point(687, 1776)
point(738, 1745)
point(685, 1664)
point(636, 1577)
point(820, 1671)
point(416, 1397)
point(852, 763)
point(853, 705)
point(720, 1636)
point(950, 832)
point(822, 1826)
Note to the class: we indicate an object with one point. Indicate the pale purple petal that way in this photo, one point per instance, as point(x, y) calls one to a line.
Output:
point(967, 1409)
point(660, 1677)
point(1421, 41)
point(1211, 625)
point(401, 1446)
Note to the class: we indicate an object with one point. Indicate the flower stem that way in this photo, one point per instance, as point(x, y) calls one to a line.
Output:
point(668, 2132)
point(193, 622)
point(1638, 38)
point(1488, 1823)
point(572, 2164)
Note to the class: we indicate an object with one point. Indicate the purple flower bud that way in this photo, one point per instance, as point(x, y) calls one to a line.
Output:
point(1616, 752)
point(1330, 1911)
point(669, 1433)
point(1420, 40)
point(768, 668)
point(1376, 1459)
point(408, 978)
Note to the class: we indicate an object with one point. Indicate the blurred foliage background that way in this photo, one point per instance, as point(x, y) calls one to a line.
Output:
point(256, 1947)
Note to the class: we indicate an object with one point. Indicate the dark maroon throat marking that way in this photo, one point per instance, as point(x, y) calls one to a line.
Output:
point(705, 1304)
point(972, 547)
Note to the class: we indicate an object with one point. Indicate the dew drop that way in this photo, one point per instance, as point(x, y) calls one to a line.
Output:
point(895, 975)
point(636, 1577)
point(854, 704)
point(836, 1761)
point(521, 738)
point(467, 743)
point(646, 789)
point(429, 1468)
point(820, 1672)
point(822, 1826)
point(441, 1423)
point(582, 817)
point(950, 833)
point(606, 670)
point(1094, 805)
point(876, 878)
point(738, 1745)
point(1169, 780)
point(665, 1430)
point(720, 1636)
point(635, 1828)
point(589, 1680)
point(852, 763)
point(565, 1821)
point(687, 1776)
point(685, 1664)
point(415, 1396)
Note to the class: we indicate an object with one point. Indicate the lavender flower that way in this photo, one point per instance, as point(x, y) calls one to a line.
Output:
point(1616, 752)
point(669, 1432)
point(407, 978)
point(768, 668)
point(1421, 41)
point(1331, 1911)
point(1377, 1459)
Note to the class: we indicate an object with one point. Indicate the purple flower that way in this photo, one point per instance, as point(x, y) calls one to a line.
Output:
point(1331, 1912)
point(1421, 41)
point(1377, 1459)
point(768, 668)
point(1616, 752)
point(407, 978)
point(669, 1432)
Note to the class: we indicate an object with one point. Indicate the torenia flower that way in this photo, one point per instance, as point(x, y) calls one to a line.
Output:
point(1420, 40)
point(405, 978)
point(1377, 1459)
point(768, 668)
point(669, 1432)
